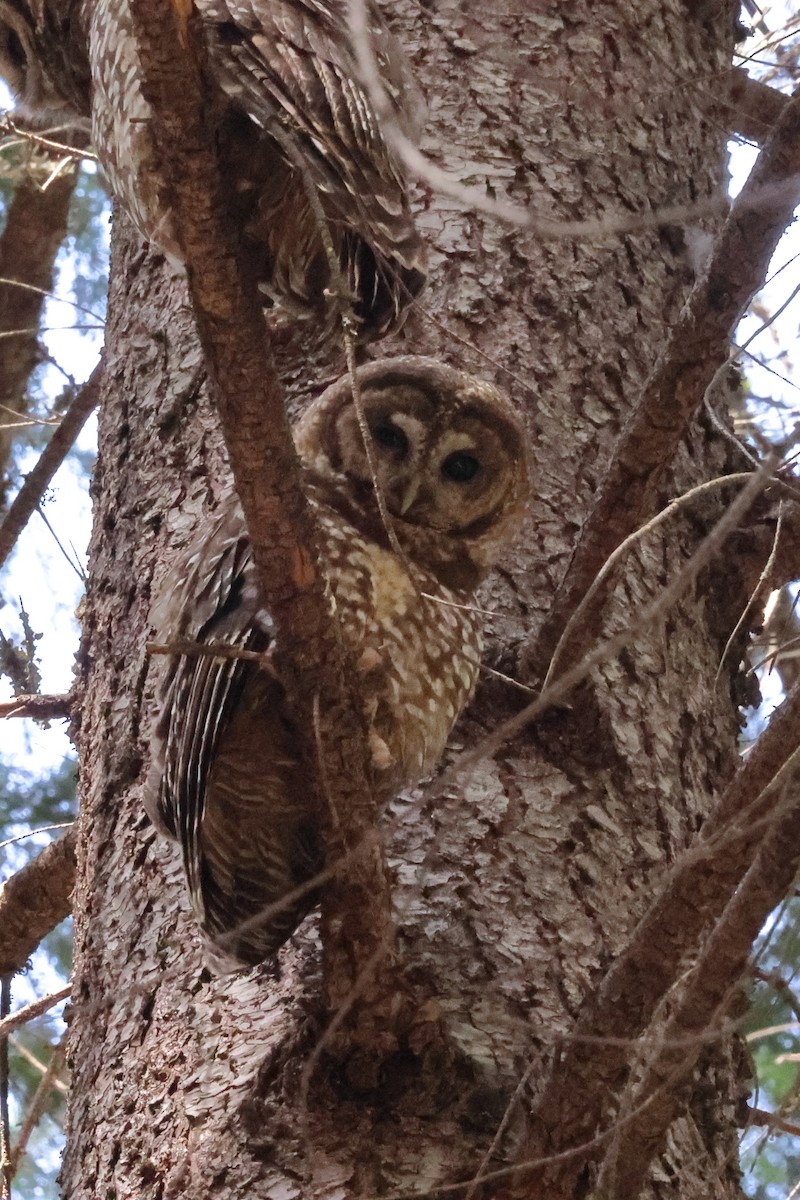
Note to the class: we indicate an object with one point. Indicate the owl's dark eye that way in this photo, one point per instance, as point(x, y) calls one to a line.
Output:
point(460, 467)
point(391, 438)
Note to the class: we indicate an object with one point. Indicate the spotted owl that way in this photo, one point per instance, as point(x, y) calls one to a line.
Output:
point(225, 780)
point(286, 86)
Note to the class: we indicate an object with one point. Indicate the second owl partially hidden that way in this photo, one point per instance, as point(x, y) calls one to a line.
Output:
point(451, 463)
point(290, 116)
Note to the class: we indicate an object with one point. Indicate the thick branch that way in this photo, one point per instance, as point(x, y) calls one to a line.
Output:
point(755, 107)
point(587, 1080)
point(34, 901)
point(675, 390)
point(35, 228)
point(40, 707)
point(762, 531)
point(38, 480)
point(265, 468)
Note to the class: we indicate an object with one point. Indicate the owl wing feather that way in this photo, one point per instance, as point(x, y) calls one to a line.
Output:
point(290, 76)
point(288, 67)
point(223, 779)
point(203, 690)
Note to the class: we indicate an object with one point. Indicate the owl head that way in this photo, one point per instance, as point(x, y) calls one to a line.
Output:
point(450, 456)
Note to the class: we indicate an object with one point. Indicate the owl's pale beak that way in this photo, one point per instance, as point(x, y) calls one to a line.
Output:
point(409, 496)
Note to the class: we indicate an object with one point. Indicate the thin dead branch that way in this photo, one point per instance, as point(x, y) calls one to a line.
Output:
point(38, 480)
point(776, 646)
point(47, 1085)
point(19, 1047)
point(34, 900)
point(609, 567)
point(5, 1123)
point(41, 708)
point(768, 1120)
point(77, 148)
point(211, 650)
point(234, 337)
point(30, 1012)
point(561, 687)
point(781, 986)
point(762, 582)
point(693, 896)
point(675, 390)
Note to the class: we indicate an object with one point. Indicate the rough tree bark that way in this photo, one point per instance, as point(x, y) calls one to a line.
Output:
point(516, 888)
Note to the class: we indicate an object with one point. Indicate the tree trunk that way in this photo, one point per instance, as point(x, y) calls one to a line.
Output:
point(517, 887)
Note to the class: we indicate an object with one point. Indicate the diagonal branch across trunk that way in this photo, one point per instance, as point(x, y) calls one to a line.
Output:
point(588, 1079)
point(674, 392)
point(234, 336)
point(657, 1098)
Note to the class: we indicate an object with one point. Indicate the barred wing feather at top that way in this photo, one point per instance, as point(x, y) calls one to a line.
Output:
point(289, 91)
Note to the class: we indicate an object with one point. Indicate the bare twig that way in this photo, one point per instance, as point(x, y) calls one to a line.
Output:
point(769, 1120)
point(70, 556)
point(560, 688)
point(48, 294)
point(31, 1011)
point(47, 1084)
point(763, 581)
point(781, 986)
point(21, 837)
point(9, 127)
point(679, 504)
point(19, 1047)
point(516, 1097)
point(35, 900)
point(38, 480)
point(705, 995)
point(5, 1124)
point(221, 650)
